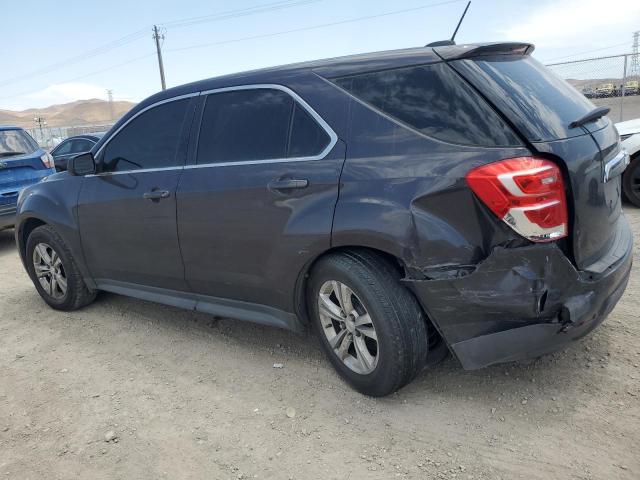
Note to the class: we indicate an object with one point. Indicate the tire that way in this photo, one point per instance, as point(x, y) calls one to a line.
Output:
point(399, 325)
point(76, 294)
point(630, 187)
point(438, 350)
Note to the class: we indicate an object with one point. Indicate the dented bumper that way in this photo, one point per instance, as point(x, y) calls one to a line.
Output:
point(524, 302)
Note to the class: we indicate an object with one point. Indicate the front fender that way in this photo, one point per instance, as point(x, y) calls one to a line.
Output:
point(52, 201)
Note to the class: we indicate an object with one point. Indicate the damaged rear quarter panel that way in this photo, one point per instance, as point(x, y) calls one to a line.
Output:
point(406, 194)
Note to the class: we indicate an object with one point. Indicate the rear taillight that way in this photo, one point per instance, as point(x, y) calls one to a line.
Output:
point(47, 160)
point(527, 193)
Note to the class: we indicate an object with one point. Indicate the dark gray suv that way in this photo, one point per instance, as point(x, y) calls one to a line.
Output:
point(404, 204)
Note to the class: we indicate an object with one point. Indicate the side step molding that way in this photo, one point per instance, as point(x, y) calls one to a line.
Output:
point(222, 307)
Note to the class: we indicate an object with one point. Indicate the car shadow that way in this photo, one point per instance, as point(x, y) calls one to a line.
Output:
point(562, 374)
point(7, 240)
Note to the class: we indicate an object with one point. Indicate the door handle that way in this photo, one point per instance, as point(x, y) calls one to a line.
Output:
point(156, 195)
point(288, 184)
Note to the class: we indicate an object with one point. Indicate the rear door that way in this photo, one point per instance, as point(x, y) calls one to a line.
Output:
point(127, 212)
point(257, 203)
point(542, 106)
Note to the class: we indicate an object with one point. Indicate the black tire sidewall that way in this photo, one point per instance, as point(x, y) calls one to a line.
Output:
point(42, 235)
point(627, 181)
point(382, 380)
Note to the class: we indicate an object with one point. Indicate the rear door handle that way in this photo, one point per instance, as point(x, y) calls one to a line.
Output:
point(288, 184)
point(156, 194)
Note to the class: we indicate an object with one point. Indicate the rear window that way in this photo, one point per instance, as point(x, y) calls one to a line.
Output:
point(433, 100)
point(539, 103)
point(16, 142)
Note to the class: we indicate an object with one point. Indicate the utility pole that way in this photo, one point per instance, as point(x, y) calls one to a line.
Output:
point(635, 64)
point(110, 97)
point(157, 37)
point(40, 122)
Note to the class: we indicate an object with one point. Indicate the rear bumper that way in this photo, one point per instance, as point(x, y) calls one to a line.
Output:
point(523, 302)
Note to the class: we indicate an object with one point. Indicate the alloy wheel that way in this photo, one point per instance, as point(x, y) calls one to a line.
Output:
point(50, 271)
point(348, 327)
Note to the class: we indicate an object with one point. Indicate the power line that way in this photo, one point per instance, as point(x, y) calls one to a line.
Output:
point(131, 37)
point(313, 27)
point(588, 51)
point(89, 74)
point(253, 37)
point(269, 7)
point(78, 58)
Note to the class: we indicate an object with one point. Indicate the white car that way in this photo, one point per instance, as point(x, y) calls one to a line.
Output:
point(630, 135)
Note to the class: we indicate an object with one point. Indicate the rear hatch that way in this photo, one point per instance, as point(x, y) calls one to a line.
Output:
point(541, 106)
point(20, 163)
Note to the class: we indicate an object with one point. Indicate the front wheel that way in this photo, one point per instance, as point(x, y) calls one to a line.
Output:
point(369, 325)
point(54, 272)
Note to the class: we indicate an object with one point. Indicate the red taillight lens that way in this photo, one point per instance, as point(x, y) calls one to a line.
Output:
point(47, 160)
point(527, 193)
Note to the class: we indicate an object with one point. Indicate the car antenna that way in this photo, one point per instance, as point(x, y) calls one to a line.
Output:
point(444, 43)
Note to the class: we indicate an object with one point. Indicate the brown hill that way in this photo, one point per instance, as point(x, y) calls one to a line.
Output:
point(81, 112)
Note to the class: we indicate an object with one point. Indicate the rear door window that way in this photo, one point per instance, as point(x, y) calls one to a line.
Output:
point(257, 125)
point(538, 102)
point(307, 137)
point(433, 100)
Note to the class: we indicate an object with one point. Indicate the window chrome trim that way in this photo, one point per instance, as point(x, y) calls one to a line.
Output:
point(333, 137)
point(145, 109)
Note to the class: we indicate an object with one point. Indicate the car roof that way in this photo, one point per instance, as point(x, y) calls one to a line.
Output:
point(341, 66)
point(90, 136)
point(10, 127)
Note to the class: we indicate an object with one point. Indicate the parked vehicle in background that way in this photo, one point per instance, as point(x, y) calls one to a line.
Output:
point(605, 90)
point(630, 136)
point(588, 92)
point(22, 163)
point(401, 203)
point(632, 87)
point(73, 146)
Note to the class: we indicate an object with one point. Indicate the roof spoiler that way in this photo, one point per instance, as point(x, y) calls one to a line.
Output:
point(455, 52)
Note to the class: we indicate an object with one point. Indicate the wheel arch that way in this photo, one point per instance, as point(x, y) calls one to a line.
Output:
point(300, 303)
point(23, 230)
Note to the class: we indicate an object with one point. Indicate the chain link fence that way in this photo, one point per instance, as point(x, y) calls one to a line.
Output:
point(611, 81)
point(49, 137)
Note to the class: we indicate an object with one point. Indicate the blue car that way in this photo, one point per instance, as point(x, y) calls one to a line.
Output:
point(22, 163)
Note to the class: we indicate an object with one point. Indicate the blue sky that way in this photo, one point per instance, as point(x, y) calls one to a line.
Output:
point(53, 50)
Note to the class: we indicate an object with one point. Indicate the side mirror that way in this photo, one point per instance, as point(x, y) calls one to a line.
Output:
point(83, 164)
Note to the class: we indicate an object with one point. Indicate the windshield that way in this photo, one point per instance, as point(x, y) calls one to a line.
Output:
point(539, 103)
point(16, 142)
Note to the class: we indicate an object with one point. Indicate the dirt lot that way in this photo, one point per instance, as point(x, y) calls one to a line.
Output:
point(630, 107)
point(189, 396)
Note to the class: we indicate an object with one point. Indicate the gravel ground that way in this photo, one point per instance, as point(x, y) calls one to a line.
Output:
point(132, 390)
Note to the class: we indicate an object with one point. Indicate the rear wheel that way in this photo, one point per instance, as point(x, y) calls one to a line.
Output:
point(54, 272)
point(371, 327)
point(631, 181)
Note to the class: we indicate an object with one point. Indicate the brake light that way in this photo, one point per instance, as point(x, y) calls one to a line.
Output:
point(47, 160)
point(527, 193)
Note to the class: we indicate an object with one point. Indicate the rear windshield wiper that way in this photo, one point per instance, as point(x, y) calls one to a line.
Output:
point(592, 116)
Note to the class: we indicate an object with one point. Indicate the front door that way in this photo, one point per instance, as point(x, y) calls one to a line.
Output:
point(127, 212)
point(259, 201)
